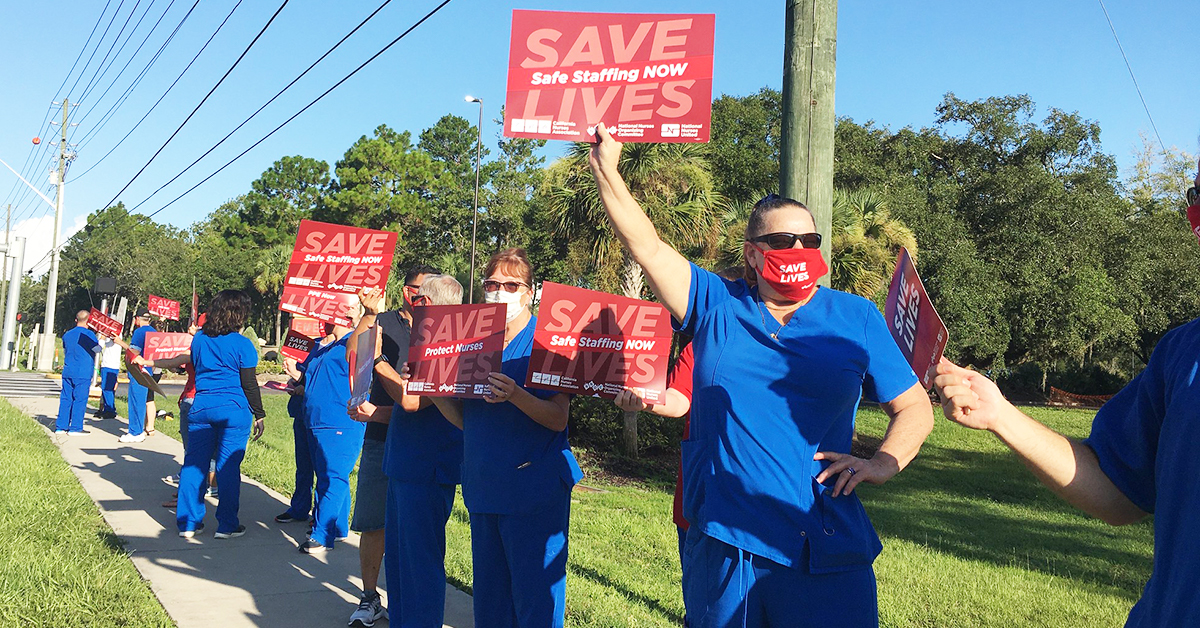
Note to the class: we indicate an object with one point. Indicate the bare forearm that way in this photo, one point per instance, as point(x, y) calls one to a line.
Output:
point(674, 406)
point(549, 413)
point(1067, 467)
point(382, 414)
point(910, 425)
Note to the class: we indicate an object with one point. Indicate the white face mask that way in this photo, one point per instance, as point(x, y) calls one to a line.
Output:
point(511, 299)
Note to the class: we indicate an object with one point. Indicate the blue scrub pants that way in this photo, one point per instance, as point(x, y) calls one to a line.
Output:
point(137, 407)
point(108, 391)
point(724, 586)
point(414, 555)
point(302, 498)
point(520, 565)
point(334, 452)
point(72, 403)
point(225, 430)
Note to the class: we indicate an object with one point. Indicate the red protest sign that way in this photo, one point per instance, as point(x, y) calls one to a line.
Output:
point(165, 308)
point(913, 321)
point(647, 77)
point(104, 324)
point(453, 348)
point(329, 264)
point(361, 356)
point(161, 345)
point(310, 327)
point(296, 345)
point(595, 343)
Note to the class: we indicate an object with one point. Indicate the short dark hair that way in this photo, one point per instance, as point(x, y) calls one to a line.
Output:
point(768, 204)
point(227, 313)
point(417, 271)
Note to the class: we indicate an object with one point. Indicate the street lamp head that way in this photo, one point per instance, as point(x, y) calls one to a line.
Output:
point(470, 98)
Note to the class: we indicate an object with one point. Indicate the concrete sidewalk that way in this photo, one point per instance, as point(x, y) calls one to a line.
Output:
point(260, 579)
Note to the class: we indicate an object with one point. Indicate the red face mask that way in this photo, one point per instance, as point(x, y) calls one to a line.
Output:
point(1194, 218)
point(793, 273)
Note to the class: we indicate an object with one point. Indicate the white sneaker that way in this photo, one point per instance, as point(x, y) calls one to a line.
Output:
point(370, 610)
point(130, 438)
point(79, 433)
point(60, 432)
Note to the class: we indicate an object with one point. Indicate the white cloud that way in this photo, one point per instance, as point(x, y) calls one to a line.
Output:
point(38, 234)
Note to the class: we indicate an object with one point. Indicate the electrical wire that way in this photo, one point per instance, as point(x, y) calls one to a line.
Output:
point(102, 68)
point(1130, 68)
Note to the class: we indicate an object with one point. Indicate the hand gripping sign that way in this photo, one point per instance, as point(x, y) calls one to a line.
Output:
point(913, 321)
point(330, 263)
point(453, 348)
point(595, 343)
point(165, 308)
point(161, 345)
point(104, 324)
point(647, 77)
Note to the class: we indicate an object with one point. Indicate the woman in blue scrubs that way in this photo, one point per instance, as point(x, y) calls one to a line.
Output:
point(334, 440)
point(302, 498)
point(517, 473)
point(227, 396)
point(777, 536)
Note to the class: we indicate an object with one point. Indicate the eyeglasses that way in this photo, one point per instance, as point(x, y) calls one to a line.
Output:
point(1193, 197)
point(784, 240)
point(414, 289)
point(491, 285)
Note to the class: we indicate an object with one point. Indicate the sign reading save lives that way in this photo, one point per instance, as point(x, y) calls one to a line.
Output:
point(161, 345)
point(913, 321)
point(297, 345)
point(165, 308)
point(104, 324)
point(453, 348)
point(329, 265)
point(647, 77)
point(595, 343)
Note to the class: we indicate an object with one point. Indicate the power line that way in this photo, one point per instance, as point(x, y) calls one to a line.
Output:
point(102, 69)
point(264, 105)
point(202, 101)
point(1130, 68)
point(164, 94)
point(98, 43)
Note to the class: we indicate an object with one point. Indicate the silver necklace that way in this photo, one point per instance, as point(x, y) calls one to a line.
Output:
point(763, 316)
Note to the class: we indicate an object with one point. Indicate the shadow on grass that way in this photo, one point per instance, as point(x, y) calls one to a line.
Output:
point(604, 581)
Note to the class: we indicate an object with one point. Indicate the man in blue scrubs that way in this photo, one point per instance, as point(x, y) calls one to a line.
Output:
point(80, 347)
point(138, 396)
point(780, 367)
point(1140, 458)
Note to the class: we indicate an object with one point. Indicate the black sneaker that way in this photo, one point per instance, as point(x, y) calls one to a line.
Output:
point(231, 535)
point(312, 547)
point(187, 534)
point(285, 518)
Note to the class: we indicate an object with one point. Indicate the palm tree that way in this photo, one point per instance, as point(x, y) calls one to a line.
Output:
point(270, 273)
point(673, 184)
point(866, 239)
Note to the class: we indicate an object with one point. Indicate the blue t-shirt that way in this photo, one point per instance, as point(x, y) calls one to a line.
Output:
point(295, 406)
point(511, 463)
point(327, 389)
point(1145, 438)
point(761, 408)
point(139, 340)
point(218, 361)
point(80, 347)
point(423, 446)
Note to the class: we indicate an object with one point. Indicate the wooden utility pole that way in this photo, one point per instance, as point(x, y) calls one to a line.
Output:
point(809, 73)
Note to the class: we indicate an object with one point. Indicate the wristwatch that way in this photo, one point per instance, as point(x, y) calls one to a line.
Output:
point(381, 358)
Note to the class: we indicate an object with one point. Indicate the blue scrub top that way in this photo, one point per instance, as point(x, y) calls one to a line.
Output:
point(327, 388)
point(761, 408)
point(80, 347)
point(218, 361)
point(138, 339)
point(511, 463)
point(1145, 438)
point(295, 406)
point(423, 446)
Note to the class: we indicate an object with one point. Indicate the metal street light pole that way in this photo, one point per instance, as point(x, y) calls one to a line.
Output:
point(475, 214)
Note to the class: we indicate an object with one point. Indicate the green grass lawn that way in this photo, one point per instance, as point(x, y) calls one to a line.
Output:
point(970, 539)
point(61, 564)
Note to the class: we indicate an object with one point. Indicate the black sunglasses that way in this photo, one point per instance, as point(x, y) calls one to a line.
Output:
point(784, 240)
point(491, 285)
point(1193, 197)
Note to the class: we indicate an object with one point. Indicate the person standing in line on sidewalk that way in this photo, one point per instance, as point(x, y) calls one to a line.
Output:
point(110, 368)
point(80, 347)
point(302, 497)
point(140, 421)
point(226, 411)
point(371, 498)
point(334, 439)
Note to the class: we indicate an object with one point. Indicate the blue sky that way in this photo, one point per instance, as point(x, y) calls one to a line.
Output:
point(895, 62)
